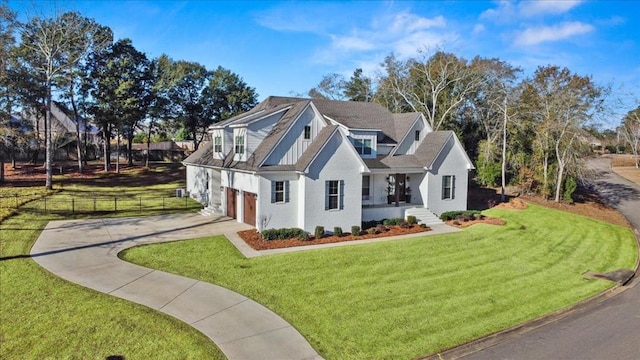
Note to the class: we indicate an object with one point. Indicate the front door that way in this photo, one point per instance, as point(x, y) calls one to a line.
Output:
point(400, 187)
point(249, 208)
point(231, 203)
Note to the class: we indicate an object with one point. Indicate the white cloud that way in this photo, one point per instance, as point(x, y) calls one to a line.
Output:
point(406, 22)
point(352, 43)
point(478, 29)
point(540, 34)
point(541, 7)
point(509, 11)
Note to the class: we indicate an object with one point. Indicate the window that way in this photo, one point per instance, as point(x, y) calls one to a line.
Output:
point(217, 144)
point(366, 187)
point(239, 148)
point(280, 191)
point(363, 146)
point(448, 187)
point(417, 135)
point(307, 132)
point(334, 195)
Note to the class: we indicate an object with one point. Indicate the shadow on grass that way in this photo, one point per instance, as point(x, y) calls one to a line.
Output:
point(99, 224)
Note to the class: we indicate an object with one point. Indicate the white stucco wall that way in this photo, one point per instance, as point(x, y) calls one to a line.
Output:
point(337, 161)
point(197, 185)
point(450, 162)
point(278, 215)
point(408, 145)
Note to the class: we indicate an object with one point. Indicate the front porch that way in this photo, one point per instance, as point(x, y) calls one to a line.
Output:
point(385, 211)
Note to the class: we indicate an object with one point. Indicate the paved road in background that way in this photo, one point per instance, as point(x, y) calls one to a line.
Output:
point(606, 329)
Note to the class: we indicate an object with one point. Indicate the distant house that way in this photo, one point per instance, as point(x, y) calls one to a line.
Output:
point(165, 150)
point(63, 129)
point(303, 163)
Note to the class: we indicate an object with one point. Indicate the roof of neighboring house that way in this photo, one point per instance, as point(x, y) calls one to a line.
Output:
point(163, 145)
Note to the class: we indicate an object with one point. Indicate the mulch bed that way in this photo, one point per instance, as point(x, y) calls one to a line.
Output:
point(253, 238)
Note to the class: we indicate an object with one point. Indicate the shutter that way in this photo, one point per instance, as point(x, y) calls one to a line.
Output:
point(453, 187)
point(286, 191)
point(341, 195)
point(326, 194)
point(273, 192)
point(443, 187)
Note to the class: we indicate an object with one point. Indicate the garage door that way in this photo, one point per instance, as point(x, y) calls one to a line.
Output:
point(249, 208)
point(231, 203)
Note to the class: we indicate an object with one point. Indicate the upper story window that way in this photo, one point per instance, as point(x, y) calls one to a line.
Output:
point(217, 144)
point(307, 132)
point(448, 187)
point(239, 144)
point(417, 138)
point(363, 146)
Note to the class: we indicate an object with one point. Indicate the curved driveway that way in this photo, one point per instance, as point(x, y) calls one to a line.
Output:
point(85, 252)
point(606, 328)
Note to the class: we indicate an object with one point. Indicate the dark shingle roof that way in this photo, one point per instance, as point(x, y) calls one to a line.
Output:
point(318, 143)
point(431, 146)
point(203, 156)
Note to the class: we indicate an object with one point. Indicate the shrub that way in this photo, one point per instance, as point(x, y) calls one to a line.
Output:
point(337, 231)
point(372, 230)
point(304, 236)
point(570, 187)
point(468, 217)
point(392, 221)
point(355, 230)
point(319, 233)
point(405, 225)
point(412, 219)
point(381, 228)
point(453, 215)
point(456, 222)
point(370, 224)
point(284, 233)
point(424, 226)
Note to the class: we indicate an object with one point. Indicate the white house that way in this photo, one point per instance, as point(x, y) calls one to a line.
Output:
point(303, 163)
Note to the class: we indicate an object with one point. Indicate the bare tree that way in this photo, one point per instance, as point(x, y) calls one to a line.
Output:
point(60, 43)
point(436, 85)
point(630, 131)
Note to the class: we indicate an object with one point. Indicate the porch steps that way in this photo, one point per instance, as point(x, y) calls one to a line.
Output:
point(209, 211)
point(424, 216)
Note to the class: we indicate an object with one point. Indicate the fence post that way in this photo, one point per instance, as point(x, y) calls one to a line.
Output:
point(16, 201)
point(163, 203)
point(94, 205)
point(140, 204)
point(115, 204)
point(73, 205)
point(45, 204)
point(185, 202)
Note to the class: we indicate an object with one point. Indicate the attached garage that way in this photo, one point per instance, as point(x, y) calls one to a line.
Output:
point(249, 208)
point(231, 203)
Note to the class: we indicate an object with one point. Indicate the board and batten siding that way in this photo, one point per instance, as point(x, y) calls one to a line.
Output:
point(409, 144)
point(293, 144)
point(258, 131)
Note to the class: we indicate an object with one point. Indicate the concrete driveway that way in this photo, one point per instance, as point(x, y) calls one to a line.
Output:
point(85, 252)
point(605, 328)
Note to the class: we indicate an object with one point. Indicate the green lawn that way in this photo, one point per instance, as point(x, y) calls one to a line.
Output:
point(44, 317)
point(407, 298)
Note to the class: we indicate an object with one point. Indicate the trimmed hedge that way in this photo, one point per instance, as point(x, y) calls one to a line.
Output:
point(355, 230)
point(319, 233)
point(452, 215)
point(392, 221)
point(337, 231)
point(411, 219)
point(284, 233)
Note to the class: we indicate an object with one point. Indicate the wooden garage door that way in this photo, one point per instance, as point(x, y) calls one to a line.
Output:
point(231, 203)
point(249, 207)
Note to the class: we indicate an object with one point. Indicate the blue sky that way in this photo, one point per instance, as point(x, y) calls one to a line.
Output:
point(285, 47)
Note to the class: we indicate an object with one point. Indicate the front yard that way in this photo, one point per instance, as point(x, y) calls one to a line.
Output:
point(407, 298)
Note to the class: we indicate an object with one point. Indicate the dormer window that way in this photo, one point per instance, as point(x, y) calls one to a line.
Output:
point(239, 144)
point(307, 132)
point(217, 144)
point(363, 146)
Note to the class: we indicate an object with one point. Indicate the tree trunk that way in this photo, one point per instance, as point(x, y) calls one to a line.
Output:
point(504, 152)
point(559, 180)
point(117, 151)
point(49, 142)
point(78, 136)
point(130, 148)
point(146, 160)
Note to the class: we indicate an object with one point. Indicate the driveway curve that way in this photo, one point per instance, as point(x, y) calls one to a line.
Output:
point(86, 252)
point(607, 327)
